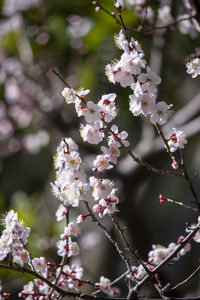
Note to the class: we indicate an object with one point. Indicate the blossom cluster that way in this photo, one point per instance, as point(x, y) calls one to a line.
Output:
point(68, 279)
point(14, 238)
point(97, 117)
point(157, 255)
point(128, 72)
point(70, 186)
point(185, 23)
point(104, 285)
point(142, 9)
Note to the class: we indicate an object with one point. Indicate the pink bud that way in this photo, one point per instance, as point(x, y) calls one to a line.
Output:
point(175, 165)
point(81, 218)
point(98, 8)
point(113, 13)
point(180, 239)
point(95, 3)
point(162, 199)
point(118, 6)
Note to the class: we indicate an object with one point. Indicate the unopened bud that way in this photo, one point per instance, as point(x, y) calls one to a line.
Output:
point(95, 3)
point(98, 8)
point(175, 165)
point(81, 218)
point(162, 199)
point(118, 6)
point(180, 239)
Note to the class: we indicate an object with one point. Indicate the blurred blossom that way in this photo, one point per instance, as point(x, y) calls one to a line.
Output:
point(2, 110)
point(6, 129)
point(21, 116)
point(12, 91)
point(11, 24)
point(34, 142)
point(46, 105)
point(10, 7)
point(10, 66)
point(78, 26)
point(90, 240)
point(45, 243)
point(33, 30)
point(14, 145)
point(42, 38)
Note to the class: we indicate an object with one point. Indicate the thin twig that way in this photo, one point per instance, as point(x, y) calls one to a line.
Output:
point(160, 132)
point(137, 160)
point(182, 166)
point(127, 245)
point(115, 243)
point(166, 261)
point(189, 181)
point(181, 204)
point(187, 279)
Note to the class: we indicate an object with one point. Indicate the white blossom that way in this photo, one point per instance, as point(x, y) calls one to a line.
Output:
point(92, 134)
point(61, 212)
point(108, 107)
point(161, 113)
point(193, 67)
point(101, 163)
point(40, 265)
point(92, 112)
point(177, 140)
point(69, 95)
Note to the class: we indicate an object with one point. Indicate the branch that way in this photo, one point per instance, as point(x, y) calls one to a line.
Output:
point(165, 261)
point(94, 219)
point(187, 279)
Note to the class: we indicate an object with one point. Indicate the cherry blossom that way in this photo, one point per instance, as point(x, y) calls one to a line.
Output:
point(107, 106)
point(40, 265)
point(193, 67)
point(101, 187)
point(177, 140)
point(161, 113)
point(69, 95)
point(61, 212)
point(92, 112)
point(92, 134)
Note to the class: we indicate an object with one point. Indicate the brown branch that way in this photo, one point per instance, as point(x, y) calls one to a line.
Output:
point(108, 13)
point(137, 160)
point(166, 261)
point(182, 166)
point(150, 29)
point(127, 245)
point(189, 181)
point(160, 132)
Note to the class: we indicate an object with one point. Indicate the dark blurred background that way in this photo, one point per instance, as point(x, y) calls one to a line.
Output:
point(36, 35)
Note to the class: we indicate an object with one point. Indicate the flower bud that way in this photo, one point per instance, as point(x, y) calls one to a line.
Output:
point(98, 8)
point(175, 165)
point(162, 199)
